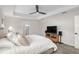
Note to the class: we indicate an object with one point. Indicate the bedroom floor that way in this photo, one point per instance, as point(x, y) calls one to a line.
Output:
point(66, 49)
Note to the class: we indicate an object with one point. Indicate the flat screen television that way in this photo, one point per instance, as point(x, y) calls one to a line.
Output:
point(52, 29)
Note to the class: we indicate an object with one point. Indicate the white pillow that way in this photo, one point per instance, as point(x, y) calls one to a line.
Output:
point(13, 38)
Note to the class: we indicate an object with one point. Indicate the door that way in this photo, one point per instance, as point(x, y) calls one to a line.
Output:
point(76, 22)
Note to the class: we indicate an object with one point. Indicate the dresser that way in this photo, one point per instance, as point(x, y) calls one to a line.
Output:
point(53, 37)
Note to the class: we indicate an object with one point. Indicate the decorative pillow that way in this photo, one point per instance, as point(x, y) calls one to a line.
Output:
point(22, 40)
point(17, 39)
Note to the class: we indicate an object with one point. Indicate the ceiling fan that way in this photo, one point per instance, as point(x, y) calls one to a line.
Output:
point(37, 10)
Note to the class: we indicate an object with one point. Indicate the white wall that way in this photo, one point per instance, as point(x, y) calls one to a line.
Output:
point(1, 15)
point(19, 24)
point(64, 23)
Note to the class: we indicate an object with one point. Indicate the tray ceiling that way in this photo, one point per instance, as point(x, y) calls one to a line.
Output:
point(24, 10)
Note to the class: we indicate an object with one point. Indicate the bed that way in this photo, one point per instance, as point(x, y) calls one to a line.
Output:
point(38, 45)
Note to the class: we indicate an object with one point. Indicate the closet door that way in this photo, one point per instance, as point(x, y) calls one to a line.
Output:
point(76, 22)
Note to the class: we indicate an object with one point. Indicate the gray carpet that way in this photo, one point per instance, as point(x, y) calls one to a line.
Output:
point(66, 49)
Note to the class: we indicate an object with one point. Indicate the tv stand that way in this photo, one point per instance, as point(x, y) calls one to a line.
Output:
point(53, 37)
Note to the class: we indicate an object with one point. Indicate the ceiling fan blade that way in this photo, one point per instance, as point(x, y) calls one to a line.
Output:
point(37, 8)
point(42, 13)
point(32, 13)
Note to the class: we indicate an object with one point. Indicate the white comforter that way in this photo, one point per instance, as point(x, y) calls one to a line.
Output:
point(38, 44)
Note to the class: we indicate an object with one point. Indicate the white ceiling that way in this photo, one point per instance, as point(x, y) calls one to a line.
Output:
point(24, 10)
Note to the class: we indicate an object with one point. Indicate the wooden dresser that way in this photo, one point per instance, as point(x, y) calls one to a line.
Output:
point(53, 37)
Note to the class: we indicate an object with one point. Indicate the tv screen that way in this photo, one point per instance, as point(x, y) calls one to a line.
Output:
point(52, 29)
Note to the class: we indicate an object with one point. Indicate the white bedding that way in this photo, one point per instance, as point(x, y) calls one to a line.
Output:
point(5, 45)
point(38, 44)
